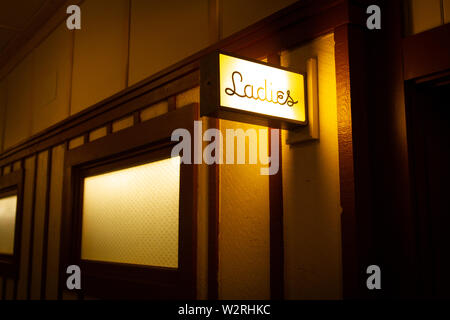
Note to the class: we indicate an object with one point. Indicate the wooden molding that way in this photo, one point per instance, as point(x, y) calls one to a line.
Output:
point(426, 53)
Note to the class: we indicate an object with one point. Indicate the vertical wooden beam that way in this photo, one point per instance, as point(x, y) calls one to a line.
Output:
point(373, 160)
point(127, 65)
point(213, 224)
point(108, 128)
point(46, 223)
point(86, 138)
point(346, 168)
point(276, 217)
point(354, 158)
point(72, 59)
point(172, 103)
point(136, 117)
point(33, 209)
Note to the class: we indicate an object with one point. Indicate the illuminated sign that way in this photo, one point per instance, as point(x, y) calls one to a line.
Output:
point(251, 91)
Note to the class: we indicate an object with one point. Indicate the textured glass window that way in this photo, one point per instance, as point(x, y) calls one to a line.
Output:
point(131, 215)
point(8, 207)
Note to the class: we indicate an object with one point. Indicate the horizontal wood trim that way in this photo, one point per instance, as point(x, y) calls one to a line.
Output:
point(291, 26)
point(144, 133)
point(104, 112)
point(426, 53)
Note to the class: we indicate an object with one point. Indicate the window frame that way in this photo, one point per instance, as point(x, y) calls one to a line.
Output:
point(12, 184)
point(142, 143)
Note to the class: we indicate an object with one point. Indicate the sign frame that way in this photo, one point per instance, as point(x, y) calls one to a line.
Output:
point(210, 95)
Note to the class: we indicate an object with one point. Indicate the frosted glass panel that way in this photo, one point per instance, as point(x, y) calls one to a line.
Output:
point(8, 207)
point(131, 215)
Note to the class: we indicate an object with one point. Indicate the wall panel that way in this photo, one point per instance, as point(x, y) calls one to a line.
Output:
point(23, 282)
point(52, 79)
point(156, 39)
point(237, 14)
point(18, 111)
point(446, 11)
point(100, 52)
point(424, 15)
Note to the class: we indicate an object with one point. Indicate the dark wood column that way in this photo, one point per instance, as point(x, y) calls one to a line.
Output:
point(375, 190)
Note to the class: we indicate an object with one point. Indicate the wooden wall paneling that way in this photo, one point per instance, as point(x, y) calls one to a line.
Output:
point(30, 182)
point(17, 165)
point(54, 223)
point(6, 169)
point(38, 225)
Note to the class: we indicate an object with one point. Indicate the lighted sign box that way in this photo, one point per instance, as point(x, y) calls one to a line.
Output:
point(252, 91)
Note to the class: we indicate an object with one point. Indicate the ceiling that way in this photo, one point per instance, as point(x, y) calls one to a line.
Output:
point(19, 20)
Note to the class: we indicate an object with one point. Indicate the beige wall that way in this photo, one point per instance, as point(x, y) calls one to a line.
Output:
point(244, 238)
point(100, 53)
point(427, 14)
point(51, 79)
point(70, 71)
point(161, 36)
point(19, 101)
point(311, 190)
point(120, 43)
point(238, 14)
point(311, 200)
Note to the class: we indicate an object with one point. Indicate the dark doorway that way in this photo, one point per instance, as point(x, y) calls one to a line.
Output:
point(429, 142)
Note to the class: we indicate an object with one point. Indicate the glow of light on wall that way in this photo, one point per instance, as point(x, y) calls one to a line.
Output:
point(131, 215)
point(8, 207)
point(261, 89)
